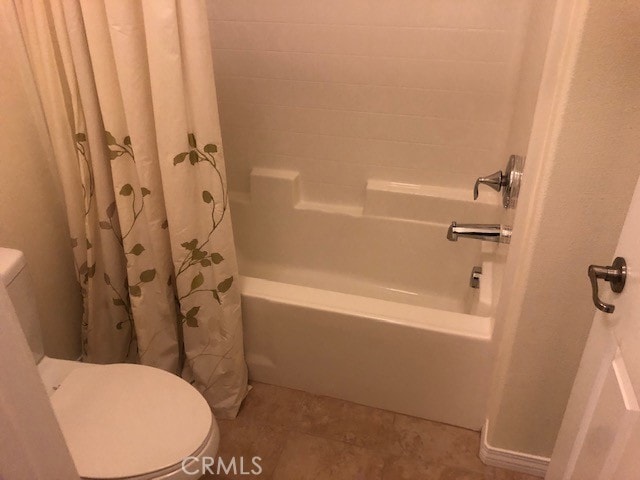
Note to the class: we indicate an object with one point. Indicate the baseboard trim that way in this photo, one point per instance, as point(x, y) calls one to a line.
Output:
point(511, 459)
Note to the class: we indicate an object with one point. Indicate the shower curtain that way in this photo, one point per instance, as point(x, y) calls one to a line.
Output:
point(128, 94)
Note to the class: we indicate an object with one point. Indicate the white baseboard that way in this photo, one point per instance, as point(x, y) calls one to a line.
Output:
point(510, 459)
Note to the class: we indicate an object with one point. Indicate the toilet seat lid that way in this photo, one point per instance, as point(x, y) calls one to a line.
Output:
point(127, 420)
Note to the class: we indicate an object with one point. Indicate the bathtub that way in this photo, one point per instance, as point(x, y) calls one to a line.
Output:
point(367, 303)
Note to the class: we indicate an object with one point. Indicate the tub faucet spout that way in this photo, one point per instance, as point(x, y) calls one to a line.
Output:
point(487, 232)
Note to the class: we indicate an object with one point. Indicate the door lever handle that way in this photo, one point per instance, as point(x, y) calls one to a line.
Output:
point(615, 274)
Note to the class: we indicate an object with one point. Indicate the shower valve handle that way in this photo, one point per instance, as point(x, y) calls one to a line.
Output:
point(495, 180)
point(507, 182)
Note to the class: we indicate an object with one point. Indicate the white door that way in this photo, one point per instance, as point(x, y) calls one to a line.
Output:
point(600, 433)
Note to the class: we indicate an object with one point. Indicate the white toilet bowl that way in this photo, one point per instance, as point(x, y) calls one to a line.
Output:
point(120, 421)
point(126, 421)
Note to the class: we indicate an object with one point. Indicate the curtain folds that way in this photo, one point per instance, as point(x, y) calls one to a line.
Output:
point(128, 93)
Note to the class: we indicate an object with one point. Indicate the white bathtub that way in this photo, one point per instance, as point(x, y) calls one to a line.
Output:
point(369, 304)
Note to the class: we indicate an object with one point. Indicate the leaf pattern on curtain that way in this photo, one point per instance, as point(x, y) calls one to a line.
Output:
point(132, 199)
point(85, 270)
point(147, 206)
point(196, 254)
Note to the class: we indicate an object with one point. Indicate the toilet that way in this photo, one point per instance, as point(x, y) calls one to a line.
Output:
point(120, 421)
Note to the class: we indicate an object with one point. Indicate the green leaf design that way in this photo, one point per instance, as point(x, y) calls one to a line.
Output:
point(165, 224)
point(89, 245)
point(135, 291)
point(137, 249)
point(127, 141)
point(104, 225)
point(74, 242)
point(117, 302)
point(197, 281)
point(126, 190)
point(107, 279)
point(148, 275)
point(113, 154)
point(91, 271)
point(191, 244)
point(145, 191)
point(192, 322)
point(180, 158)
point(80, 137)
point(225, 285)
point(193, 312)
point(111, 209)
point(83, 269)
point(109, 138)
point(198, 255)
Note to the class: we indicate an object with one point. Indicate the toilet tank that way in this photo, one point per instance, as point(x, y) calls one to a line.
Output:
point(16, 279)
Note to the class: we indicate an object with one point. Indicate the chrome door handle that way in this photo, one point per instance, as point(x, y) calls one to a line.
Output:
point(615, 274)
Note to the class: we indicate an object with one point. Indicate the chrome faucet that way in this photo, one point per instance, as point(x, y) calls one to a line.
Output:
point(487, 232)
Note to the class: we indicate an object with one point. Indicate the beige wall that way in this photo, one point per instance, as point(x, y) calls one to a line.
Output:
point(417, 91)
point(582, 167)
point(31, 210)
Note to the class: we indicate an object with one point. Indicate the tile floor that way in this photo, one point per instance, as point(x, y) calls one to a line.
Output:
point(301, 436)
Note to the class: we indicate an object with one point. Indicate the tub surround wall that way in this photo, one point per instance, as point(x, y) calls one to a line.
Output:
point(350, 91)
point(386, 248)
point(528, 84)
point(425, 203)
point(32, 215)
